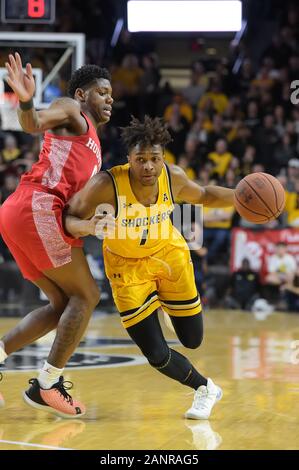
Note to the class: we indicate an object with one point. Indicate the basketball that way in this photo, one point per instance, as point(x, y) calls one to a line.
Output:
point(259, 198)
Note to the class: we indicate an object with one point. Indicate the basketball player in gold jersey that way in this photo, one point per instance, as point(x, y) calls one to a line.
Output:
point(147, 260)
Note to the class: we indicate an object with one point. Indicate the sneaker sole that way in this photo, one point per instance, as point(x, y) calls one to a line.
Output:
point(48, 409)
point(194, 416)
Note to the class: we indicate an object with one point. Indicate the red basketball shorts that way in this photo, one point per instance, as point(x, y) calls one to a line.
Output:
point(31, 226)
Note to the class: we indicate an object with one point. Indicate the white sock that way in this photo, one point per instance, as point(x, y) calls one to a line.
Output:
point(49, 375)
point(3, 354)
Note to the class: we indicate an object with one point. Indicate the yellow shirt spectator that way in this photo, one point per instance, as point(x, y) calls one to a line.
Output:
point(292, 208)
point(221, 162)
point(184, 108)
point(9, 155)
point(218, 218)
point(220, 101)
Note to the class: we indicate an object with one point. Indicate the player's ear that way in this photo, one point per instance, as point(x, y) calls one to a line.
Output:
point(80, 95)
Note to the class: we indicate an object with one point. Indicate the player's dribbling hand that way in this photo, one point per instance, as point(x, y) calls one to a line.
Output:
point(103, 225)
point(22, 83)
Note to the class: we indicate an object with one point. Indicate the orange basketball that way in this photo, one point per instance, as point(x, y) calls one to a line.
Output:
point(259, 198)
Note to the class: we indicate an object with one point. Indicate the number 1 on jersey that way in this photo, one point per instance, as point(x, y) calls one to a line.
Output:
point(144, 237)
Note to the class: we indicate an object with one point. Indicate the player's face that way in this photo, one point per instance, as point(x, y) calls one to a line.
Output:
point(98, 98)
point(146, 163)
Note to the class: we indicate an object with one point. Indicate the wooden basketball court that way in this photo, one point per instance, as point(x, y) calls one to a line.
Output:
point(131, 406)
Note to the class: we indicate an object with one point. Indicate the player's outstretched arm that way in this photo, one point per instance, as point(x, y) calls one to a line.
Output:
point(188, 191)
point(63, 112)
point(85, 209)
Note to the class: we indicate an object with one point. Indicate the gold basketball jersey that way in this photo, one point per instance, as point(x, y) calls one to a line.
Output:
point(141, 231)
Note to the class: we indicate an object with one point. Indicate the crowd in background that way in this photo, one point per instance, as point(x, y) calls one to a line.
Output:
point(224, 124)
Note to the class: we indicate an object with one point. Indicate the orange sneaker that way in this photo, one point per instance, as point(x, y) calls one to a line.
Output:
point(2, 402)
point(54, 400)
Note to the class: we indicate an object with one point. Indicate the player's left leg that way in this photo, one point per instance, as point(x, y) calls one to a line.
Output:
point(180, 299)
point(40, 321)
point(148, 336)
point(190, 332)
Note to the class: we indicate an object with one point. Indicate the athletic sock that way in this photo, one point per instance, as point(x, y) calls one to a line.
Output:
point(49, 375)
point(3, 354)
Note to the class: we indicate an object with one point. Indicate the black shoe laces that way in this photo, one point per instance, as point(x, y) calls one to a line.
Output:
point(62, 386)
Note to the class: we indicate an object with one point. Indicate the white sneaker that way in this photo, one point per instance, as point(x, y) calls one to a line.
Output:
point(205, 398)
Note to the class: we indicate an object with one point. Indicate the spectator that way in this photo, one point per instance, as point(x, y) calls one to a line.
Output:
point(281, 266)
point(217, 224)
point(252, 118)
point(149, 84)
point(244, 287)
point(291, 293)
point(9, 186)
point(292, 206)
point(193, 92)
point(178, 127)
point(247, 160)
point(216, 131)
point(266, 140)
point(292, 173)
point(183, 162)
point(219, 99)
point(283, 153)
point(129, 74)
point(179, 102)
point(10, 151)
point(199, 257)
point(221, 158)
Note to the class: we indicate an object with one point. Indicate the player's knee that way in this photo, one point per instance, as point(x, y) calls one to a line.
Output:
point(58, 304)
point(157, 356)
point(90, 298)
point(95, 296)
point(192, 342)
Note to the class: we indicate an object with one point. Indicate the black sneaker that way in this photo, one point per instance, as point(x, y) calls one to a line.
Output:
point(54, 400)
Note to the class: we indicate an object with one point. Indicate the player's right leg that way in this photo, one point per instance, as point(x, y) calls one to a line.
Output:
point(41, 249)
point(49, 392)
point(36, 323)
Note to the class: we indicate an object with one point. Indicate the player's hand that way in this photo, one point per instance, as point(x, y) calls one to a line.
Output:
point(21, 82)
point(102, 225)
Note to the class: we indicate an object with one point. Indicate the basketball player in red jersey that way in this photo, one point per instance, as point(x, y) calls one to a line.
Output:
point(31, 224)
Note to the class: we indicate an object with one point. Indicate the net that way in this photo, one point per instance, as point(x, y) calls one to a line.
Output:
point(8, 112)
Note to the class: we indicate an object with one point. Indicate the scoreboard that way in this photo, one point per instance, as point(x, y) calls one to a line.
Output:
point(28, 11)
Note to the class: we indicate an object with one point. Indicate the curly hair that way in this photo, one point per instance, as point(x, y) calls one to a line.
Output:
point(152, 131)
point(85, 75)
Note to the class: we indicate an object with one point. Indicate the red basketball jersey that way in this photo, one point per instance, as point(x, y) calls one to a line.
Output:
point(66, 163)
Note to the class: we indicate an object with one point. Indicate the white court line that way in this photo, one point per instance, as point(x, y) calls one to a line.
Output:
point(20, 443)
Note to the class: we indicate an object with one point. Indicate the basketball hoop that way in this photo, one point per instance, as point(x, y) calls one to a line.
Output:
point(8, 112)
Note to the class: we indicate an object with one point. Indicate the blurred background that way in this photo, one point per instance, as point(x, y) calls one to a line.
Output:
point(230, 100)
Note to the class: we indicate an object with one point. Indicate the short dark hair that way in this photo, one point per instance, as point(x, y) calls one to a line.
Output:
point(282, 244)
point(152, 131)
point(85, 75)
